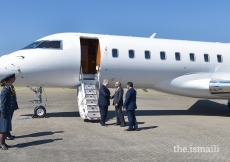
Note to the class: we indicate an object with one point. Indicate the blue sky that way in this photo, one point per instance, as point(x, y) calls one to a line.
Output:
point(24, 21)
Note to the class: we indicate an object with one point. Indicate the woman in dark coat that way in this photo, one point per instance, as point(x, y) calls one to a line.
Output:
point(5, 112)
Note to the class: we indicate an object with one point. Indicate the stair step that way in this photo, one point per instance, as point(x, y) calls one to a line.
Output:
point(90, 92)
point(91, 96)
point(89, 111)
point(93, 108)
point(91, 102)
point(94, 115)
point(90, 87)
point(87, 98)
point(89, 82)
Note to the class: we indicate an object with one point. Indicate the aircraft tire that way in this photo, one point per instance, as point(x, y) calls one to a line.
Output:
point(40, 111)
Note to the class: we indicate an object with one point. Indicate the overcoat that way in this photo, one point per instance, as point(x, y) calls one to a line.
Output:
point(6, 109)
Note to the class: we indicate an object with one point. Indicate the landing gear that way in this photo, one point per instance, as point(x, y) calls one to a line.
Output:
point(39, 111)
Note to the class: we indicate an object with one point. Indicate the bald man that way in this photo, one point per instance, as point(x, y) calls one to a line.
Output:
point(118, 103)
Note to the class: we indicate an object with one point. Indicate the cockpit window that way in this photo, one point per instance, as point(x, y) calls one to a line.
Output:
point(32, 45)
point(50, 44)
point(45, 44)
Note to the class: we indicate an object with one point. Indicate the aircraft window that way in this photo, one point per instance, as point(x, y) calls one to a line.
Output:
point(177, 56)
point(115, 53)
point(147, 55)
point(44, 44)
point(32, 45)
point(192, 57)
point(219, 58)
point(50, 44)
point(131, 53)
point(206, 58)
point(163, 55)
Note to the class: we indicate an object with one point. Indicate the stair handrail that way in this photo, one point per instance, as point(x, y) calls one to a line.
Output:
point(98, 75)
point(83, 92)
point(81, 75)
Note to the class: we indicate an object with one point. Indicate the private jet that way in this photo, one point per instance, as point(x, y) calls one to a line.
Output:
point(82, 61)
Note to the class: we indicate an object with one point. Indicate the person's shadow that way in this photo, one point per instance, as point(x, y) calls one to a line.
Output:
point(35, 143)
point(146, 128)
point(39, 134)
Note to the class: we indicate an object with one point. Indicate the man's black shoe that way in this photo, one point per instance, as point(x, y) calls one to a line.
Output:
point(8, 146)
point(9, 138)
point(136, 129)
point(123, 125)
point(104, 125)
point(4, 147)
point(128, 130)
point(116, 124)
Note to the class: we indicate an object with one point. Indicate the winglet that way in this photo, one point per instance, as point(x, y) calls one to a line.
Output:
point(152, 36)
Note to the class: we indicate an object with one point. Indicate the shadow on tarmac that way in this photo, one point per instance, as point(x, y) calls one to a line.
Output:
point(146, 128)
point(59, 114)
point(39, 134)
point(35, 143)
point(201, 107)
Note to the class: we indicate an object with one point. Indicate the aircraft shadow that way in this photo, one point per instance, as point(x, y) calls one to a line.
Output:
point(39, 134)
point(64, 114)
point(201, 107)
point(59, 114)
point(35, 143)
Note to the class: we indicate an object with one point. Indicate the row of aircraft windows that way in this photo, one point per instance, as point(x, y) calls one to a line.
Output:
point(163, 56)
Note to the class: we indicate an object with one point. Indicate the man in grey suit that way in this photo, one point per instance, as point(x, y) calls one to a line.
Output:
point(118, 103)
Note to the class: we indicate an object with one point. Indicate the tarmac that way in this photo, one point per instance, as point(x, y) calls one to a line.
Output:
point(172, 128)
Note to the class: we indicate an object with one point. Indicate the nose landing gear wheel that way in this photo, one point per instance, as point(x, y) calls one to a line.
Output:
point(39, 112)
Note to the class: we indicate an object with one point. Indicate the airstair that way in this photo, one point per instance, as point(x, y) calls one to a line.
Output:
point(88, 97)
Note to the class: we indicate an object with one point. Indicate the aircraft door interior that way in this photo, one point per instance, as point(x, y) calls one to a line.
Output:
point(90, 55)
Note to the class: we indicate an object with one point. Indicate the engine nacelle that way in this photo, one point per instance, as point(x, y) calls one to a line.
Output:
point(220, 88)
point(196, 85)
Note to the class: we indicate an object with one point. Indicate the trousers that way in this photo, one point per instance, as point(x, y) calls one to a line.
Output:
point(132, 119)
point(103, 112)
point(119, 115)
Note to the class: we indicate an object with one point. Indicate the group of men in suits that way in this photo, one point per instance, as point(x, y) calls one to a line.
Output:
point(129, 104)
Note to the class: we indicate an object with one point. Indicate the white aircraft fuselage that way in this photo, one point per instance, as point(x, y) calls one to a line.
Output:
point(47, 67)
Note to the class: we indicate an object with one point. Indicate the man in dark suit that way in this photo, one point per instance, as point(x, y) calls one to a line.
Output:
point(130, 106)
point(14, 101)
point(104, 101)
point(118, 103)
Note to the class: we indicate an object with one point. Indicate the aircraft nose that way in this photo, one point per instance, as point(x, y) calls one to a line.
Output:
point(4, 66)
